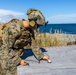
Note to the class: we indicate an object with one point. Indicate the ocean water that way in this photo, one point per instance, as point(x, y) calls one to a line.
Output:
point(65, 28)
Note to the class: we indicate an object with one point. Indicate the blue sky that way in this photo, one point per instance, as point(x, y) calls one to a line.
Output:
point(55, 11)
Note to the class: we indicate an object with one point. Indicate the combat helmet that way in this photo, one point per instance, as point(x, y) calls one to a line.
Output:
point(36, 16)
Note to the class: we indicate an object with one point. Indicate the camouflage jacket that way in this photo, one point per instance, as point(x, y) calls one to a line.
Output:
point(21, 38)
point(13, 39)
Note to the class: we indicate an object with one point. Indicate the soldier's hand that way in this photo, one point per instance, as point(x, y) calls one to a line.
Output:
point(47, 58)
point(24, 63)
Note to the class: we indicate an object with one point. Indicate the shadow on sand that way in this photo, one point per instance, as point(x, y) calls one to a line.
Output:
point(28, 53)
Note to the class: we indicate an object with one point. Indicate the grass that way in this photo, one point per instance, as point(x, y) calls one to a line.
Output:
point(56, 39)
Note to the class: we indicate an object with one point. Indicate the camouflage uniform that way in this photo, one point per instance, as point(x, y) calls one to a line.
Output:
point(13, 39)
point(8, 58)
point(25, 39)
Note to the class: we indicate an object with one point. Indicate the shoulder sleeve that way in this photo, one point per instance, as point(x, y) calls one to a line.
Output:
point(36, 50)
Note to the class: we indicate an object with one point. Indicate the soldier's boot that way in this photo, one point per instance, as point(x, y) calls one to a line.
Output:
point(47, 58)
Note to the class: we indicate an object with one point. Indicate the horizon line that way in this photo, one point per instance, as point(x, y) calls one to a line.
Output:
point(61, 23)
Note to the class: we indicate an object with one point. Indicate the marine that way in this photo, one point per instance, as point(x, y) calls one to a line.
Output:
point(15, 36)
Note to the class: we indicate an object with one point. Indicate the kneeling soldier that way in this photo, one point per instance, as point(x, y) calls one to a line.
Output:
point(14, 36)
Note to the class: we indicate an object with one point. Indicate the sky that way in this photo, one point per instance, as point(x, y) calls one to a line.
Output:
point(55, 11)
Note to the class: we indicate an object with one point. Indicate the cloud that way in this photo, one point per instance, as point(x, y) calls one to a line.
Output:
point(6, 15)
point(63, 18)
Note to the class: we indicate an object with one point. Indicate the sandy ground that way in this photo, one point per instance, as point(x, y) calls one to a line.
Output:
point(63, 62)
